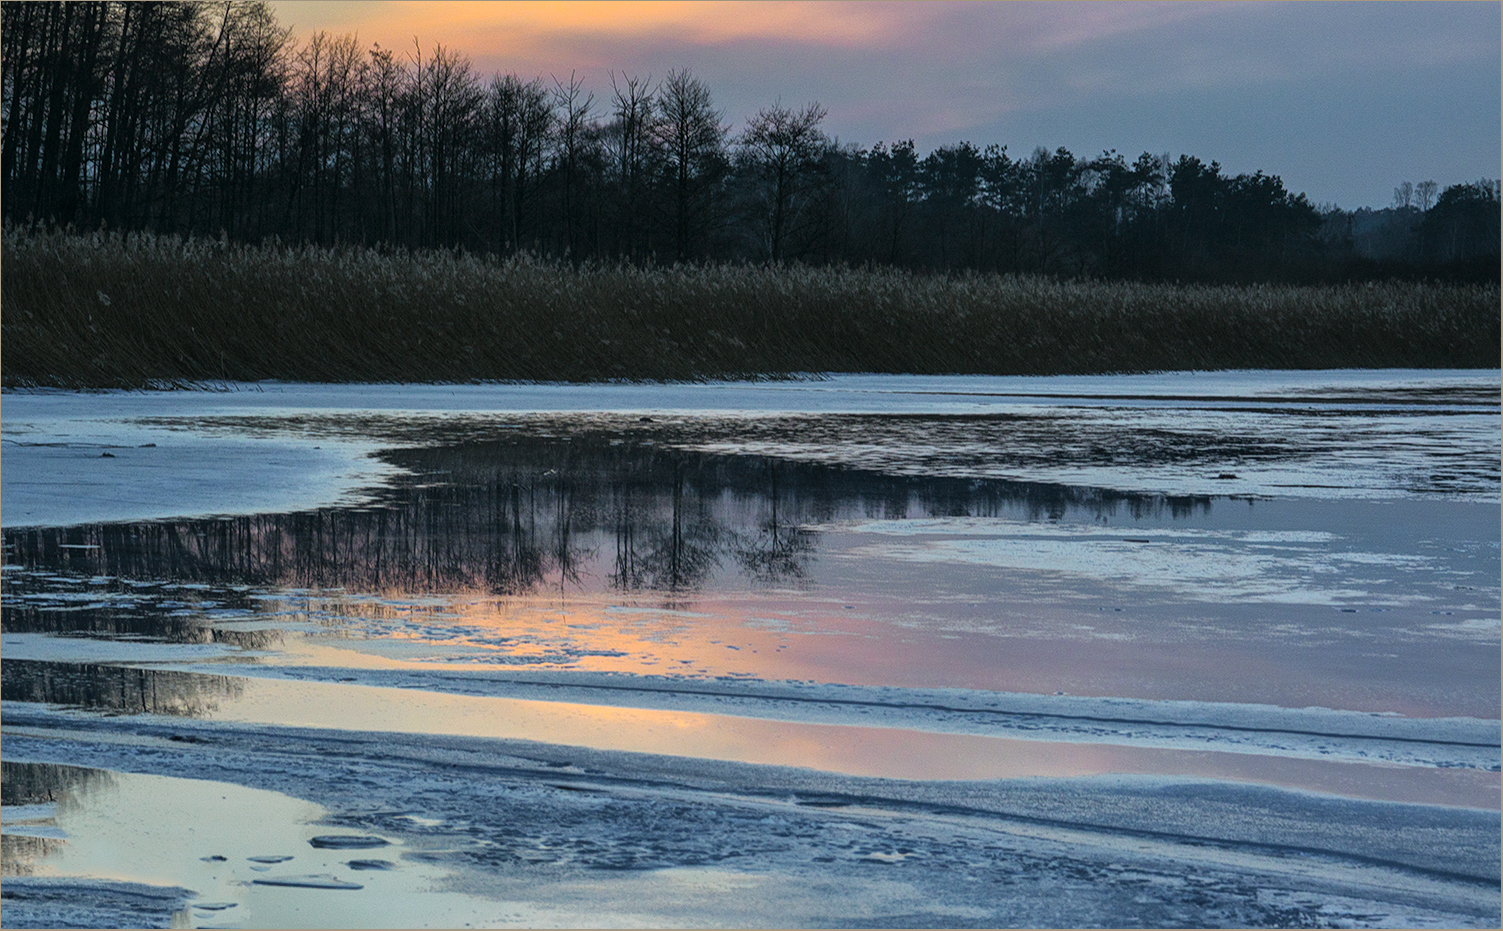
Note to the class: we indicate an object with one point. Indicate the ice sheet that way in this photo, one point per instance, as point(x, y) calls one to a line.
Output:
point(692, 686)
point(550, 836)
point(56, 470)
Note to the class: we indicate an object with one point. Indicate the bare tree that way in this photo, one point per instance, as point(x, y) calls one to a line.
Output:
point(519, 119)
point(782, 148)
point(574, 125)
point(1403, 195)
point(692, 136)
point(385, 82)
point(1425, 194)
point(326, 82)
point(631, 141)
point(452, 103)
point(255, 48)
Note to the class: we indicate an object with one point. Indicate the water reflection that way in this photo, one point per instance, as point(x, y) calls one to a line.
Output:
point(27, 839)
point(879, 751)
point(28, 609)
point(119, 689)
point(20, 852)
point(25, 783)
point(589, 510)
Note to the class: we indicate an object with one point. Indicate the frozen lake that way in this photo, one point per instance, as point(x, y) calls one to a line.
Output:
point(1194, 648)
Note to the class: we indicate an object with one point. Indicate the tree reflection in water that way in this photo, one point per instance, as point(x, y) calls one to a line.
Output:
point(26, 783)
point(121, 689)
point(779, 551)
point(520, 514)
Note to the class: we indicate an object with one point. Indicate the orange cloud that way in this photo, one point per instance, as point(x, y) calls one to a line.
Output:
point(486, 28)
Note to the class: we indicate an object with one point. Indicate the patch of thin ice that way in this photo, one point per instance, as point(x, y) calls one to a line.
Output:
point(35, 646)
point(1203, 565)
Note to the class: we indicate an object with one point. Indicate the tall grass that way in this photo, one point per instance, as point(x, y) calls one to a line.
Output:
point(110, 310)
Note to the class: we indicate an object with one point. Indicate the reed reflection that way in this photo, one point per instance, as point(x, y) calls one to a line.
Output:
point(588, 510)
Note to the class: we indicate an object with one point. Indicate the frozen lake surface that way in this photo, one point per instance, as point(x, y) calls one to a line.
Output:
point(1192, 648)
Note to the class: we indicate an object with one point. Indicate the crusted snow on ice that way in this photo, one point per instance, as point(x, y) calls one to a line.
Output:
point(520, 833)
point(1217, 566)
point(72, 459)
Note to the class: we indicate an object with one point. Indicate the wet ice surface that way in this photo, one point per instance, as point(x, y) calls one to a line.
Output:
point(1335, 433)
point(538, 834)
point(237, 855)
point(1236, 588)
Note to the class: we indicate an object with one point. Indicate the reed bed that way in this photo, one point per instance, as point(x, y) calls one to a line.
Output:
point(110, 310)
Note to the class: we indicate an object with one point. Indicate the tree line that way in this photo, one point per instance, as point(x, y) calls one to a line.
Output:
point(208, 119)
point(1451, 233)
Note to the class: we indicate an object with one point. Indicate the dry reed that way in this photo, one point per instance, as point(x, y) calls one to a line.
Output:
point(110, 310)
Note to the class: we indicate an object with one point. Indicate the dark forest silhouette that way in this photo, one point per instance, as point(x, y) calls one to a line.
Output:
point(206, 118)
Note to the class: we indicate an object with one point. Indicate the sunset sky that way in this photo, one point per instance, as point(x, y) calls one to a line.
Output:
point(1343, 100)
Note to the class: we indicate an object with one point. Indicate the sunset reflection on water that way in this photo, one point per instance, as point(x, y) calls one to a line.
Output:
point(598, 550)
point(853, 750)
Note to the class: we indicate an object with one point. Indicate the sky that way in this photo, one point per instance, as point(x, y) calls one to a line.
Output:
point(1343, 100)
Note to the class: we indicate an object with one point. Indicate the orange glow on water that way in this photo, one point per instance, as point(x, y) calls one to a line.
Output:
point(866, 638)
point(768, 636)
point(892, 753)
